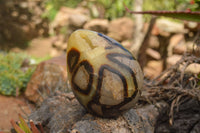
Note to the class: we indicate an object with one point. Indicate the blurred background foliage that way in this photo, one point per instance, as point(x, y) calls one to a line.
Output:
point(53, 6)
point(190, 5)
point(109, 9)
point(21, 20)
point(112, 9)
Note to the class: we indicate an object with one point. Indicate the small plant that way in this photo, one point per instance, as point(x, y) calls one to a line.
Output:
point(13, 79)
point(22, 126)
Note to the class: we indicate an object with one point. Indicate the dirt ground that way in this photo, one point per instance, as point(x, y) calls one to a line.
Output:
point(10, 107)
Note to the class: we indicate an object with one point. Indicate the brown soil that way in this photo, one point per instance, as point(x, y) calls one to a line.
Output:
point(10, 107)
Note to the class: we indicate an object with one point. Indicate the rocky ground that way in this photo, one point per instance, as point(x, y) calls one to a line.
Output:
point(168, 42)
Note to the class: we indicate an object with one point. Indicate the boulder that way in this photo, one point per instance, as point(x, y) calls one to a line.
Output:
point(127, 44)
point(153, 54)
point(61, 19)
point(176, 45)
point(192, 26)
point(67, 17)
point(59, 44)
point(154, 42)
point(63, 113)
point(49, 76)
point(77, 20)
point(99, 25)
point(190, 46)
point(153, 68)
point(167, 26)
point(172, 60)
point(193, 68)
point(180, 49)
point(121, 29)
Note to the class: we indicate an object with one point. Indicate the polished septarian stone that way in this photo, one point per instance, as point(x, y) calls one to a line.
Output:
point(105, 77)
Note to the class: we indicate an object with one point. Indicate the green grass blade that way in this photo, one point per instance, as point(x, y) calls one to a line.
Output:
point(23, 125)
point(16, 127)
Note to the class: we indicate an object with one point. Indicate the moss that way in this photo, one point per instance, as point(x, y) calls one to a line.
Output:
point(13, 79)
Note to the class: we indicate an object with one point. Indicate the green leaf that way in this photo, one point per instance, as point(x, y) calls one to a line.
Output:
point(16, 127)
point(183, 15)
point(23, 125)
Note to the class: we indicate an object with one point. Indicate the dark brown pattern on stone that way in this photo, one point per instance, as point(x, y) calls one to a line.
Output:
point(113, 110)
point(112, 58)
point(72, 58)
point(109, 110)
point(89, 70)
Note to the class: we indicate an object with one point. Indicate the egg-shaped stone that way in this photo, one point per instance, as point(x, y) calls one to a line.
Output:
point(104, 76)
